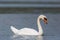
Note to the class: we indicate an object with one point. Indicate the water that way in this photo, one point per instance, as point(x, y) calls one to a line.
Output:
point(51, 30)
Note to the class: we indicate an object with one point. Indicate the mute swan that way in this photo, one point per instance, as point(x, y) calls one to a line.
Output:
point(29, 31)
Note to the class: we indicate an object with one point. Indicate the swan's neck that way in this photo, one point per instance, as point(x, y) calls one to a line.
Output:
point(39, 26)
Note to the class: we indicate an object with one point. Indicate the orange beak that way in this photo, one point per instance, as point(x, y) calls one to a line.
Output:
point(45, 21)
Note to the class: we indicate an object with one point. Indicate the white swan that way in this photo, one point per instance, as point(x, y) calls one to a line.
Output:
point(29, 31)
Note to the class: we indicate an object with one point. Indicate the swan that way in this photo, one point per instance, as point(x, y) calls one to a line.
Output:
point(29, 31)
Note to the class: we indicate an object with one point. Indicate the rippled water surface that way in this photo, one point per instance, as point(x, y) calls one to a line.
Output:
point(51, 30)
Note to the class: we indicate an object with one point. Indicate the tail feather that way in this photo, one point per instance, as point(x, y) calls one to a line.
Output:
point(14, 30)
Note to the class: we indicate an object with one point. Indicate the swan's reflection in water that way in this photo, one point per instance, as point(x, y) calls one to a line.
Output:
point(25, 37)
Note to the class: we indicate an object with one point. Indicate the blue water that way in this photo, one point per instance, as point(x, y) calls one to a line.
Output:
point(51, 30)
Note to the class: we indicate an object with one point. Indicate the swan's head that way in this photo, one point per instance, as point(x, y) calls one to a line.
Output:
point(44, 18)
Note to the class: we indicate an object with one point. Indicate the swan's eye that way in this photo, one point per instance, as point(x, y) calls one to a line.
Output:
point(45, 20)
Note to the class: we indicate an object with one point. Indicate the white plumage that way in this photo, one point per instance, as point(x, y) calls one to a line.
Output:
point(24, 31)
point(29, 31)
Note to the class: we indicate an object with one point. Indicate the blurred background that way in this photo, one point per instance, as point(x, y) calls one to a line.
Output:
point(24, 13)
point(29, 6)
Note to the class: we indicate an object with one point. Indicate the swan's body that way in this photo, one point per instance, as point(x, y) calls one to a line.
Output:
point(29, 31)
point(24, 31)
